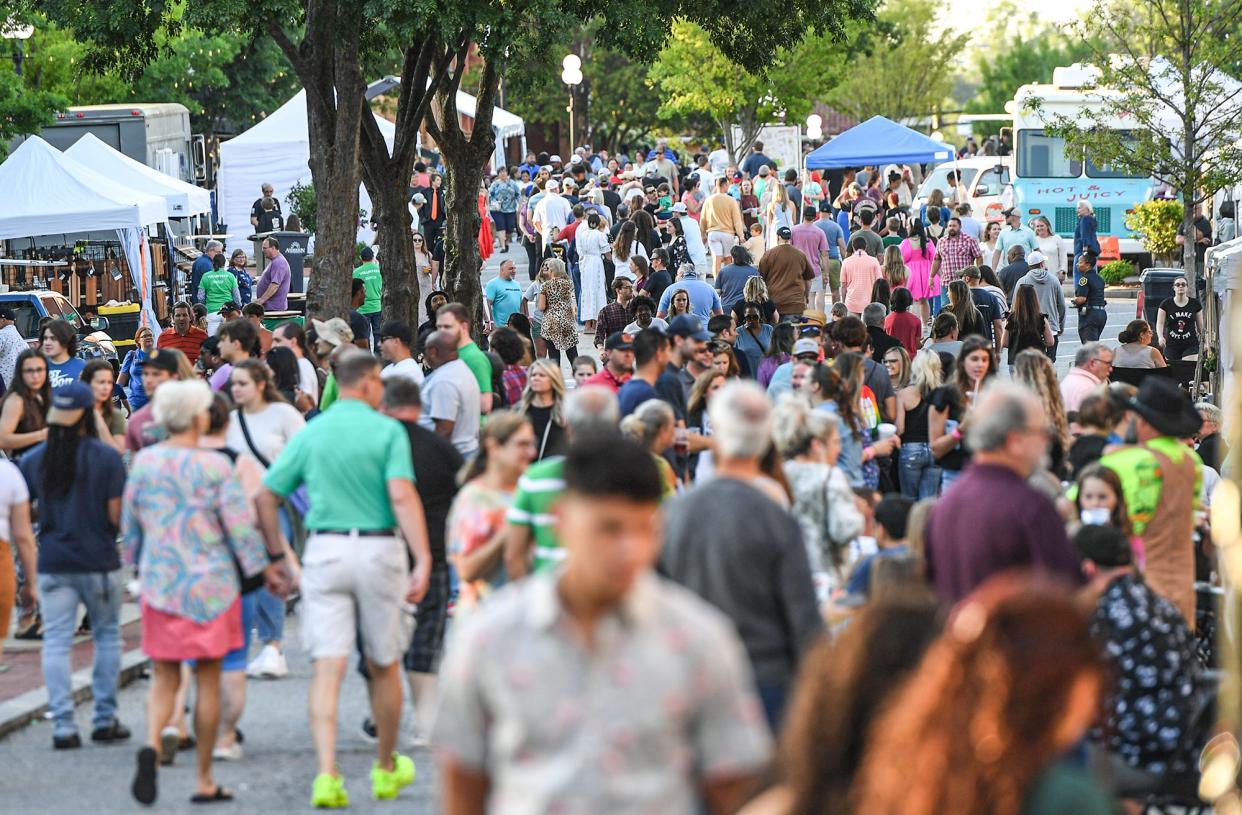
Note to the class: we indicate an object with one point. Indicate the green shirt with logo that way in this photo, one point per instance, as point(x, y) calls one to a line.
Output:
point(217, 287)
point(373, 281)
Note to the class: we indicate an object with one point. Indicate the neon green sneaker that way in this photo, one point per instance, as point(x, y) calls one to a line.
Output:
point(386, 785)
point(329, 792)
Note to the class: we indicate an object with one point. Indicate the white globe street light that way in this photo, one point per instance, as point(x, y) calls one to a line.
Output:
point(572, 77)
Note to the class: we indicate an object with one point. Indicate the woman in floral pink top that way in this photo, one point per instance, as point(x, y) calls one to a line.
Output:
point(185, 522)
point(477, 519)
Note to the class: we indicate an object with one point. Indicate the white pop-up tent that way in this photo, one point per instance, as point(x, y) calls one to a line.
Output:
point(183, 199)
point(507, 125)
point(275, 151)
point(48, 193)
point(1225, 265)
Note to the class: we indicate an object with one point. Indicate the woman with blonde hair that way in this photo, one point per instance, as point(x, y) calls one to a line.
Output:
point(981, 725)
point(780, 212)
point(476, 522)
point(559, 306)
point(1050, 244)
point(756, 291)
point(918, 473)
point(652, 425)
point(543, 405)
point(1035, 370)
point(895, 271)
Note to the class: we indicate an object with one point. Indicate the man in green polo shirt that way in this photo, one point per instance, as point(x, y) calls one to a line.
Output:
point(589, 411)
point(373, 281)
point(216, 288)
point(454, 319)
point(355, 578)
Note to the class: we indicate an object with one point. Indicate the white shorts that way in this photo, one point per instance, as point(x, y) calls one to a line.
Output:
point(214, 321)
point(817, 285)
point(721, 243)
point(354, 585)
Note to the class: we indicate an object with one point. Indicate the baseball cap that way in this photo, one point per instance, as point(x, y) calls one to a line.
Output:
point(972, 272)
point(815, 317)
point(1010, 211)
point(802, 347)
point(664, 215)
point(825, 206)
point(419, 198)
point(619, 341)
point(576, 160)
point(1035, 258)
point(162, 359)
point(229, 308)
point(553, 185)
point(679, 207)
point(397, 330)
point(687, 325)
point(69, 402)
point(555, 159)
point(784, 233)
point(764, 170)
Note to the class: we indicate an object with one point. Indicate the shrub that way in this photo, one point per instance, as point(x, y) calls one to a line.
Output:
point(1116, 272)
point(301, 201)
point(1155, 223)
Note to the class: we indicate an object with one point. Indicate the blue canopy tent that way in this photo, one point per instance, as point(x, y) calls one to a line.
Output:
point(875, 142)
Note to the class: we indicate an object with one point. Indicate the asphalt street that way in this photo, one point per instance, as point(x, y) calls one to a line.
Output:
point(274, 777)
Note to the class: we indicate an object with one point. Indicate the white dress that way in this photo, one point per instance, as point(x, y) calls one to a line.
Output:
point(592, 244)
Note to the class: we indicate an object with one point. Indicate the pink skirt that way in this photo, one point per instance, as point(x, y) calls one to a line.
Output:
point(170, 638)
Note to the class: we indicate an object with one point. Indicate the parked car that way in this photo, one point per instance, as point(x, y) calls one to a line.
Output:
point(29, 307)
point(980, 176)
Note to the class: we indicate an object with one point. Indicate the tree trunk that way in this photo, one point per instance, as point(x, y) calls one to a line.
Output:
point(387, 175)
point(326, 62)
point(464, 160)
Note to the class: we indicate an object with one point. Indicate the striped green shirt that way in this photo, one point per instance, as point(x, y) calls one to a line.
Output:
point(531, 509)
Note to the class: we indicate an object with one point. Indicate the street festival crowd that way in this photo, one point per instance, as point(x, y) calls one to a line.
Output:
point(817, 528)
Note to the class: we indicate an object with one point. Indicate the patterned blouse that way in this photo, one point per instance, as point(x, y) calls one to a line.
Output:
point(183, 518)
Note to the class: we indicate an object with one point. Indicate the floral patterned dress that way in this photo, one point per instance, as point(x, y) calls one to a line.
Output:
point(559, 324)
point(478, 513)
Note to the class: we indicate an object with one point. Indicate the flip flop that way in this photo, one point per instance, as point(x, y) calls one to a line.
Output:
point(221, 794)
point(144, 788)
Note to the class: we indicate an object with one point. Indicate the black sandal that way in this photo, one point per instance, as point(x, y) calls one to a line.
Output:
point(144, 788)
point(34, 631)
point(221, 794)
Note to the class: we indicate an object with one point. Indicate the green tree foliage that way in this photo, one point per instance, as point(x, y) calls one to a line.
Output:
point(694, 77)
point(1156, 222)
point(1021, 59)
point(1164, 70)
point(904, 68)
point(22, 110)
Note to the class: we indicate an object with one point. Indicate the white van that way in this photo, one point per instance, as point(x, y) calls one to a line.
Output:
point(984, 177)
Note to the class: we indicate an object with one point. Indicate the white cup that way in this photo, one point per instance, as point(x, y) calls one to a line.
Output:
point(886, 431)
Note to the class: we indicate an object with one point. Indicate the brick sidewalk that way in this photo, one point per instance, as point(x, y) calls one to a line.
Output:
point(23, 658)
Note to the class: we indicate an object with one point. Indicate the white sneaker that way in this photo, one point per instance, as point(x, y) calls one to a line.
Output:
point(269, 664)
point(234, 753)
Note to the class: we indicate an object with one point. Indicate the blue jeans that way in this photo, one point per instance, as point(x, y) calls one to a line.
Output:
point(947, 477)
point(60, 596)
point(270, 619)
point(920, 477)
point(575, 274)
point(374, 318)
point(773, 699)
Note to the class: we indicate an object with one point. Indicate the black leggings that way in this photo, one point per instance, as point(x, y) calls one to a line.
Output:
point(555, 354)
point(532, 256)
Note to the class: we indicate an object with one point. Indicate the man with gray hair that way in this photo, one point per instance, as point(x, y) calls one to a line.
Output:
point(203, 264)
point(881, 340)
point(732, 541)
point(530, 534)
point(991, 520)
point(1093, 362)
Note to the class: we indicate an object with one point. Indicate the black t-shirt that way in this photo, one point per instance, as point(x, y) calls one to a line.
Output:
point(881, 341)
point(612, 200)
point(541, 422)
point(989, 309)
point(1026, 337)
point(436, 464)
point(1179, 321)
point(947, 397)
point(268, 221)
point(669, 388)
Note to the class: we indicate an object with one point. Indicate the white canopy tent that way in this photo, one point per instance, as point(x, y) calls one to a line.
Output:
point(48, 193)
point(275, 151)
point(507, 125)
point(1224, 263)
point(183, 199)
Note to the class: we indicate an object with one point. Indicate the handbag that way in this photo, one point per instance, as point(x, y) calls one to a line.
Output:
point(247, 584)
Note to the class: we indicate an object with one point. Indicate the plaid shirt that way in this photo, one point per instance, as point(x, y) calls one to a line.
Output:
point(513, 377)
point(612, 318)
point(956, 254)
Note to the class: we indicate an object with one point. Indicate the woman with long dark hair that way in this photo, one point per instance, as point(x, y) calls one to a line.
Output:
point(76, 482)
point(1026, 327)
point(776, 350)
point(969, 319)
point(918, 252)
point(23, 422)
point(646, 234)
point(292, 336)
point(677, 248)
point(626, 244)
point(980, 727)
point(284, 367)
point(98, 376)
point(951, 405)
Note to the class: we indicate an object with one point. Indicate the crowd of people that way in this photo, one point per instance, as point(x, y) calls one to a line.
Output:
point(761, 552)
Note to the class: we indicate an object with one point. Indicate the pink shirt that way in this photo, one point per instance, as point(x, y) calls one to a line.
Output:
point(810, 240)
point(1078, 383)
point(858, 274)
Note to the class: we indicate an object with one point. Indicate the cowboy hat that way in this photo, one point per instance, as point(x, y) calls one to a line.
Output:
point(1166, 407)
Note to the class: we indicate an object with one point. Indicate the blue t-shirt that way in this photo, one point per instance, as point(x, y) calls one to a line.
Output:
point(202, 265)
point(703, 298)
point(832, 231)
point(134, 391)
point(75, 533)
point(732, 282)
point(633, 394)
point(506, 297)
point(860, 581)
point(61, 374)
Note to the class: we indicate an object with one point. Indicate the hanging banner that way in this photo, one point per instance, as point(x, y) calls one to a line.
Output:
point(138, 256)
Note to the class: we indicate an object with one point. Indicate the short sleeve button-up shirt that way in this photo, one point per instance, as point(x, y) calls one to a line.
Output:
point(632, 723)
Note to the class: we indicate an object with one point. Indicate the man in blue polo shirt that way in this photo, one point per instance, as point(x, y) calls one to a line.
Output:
point(354, 572)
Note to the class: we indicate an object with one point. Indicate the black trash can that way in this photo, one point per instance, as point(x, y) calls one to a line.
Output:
point(293, 246)
point(1157, 287)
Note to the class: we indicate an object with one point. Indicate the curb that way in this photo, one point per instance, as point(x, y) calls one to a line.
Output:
point(30, 706)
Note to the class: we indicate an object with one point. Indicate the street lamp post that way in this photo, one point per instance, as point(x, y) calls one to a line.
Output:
point(814, 130)
point(10, 29)
point(571, 75)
